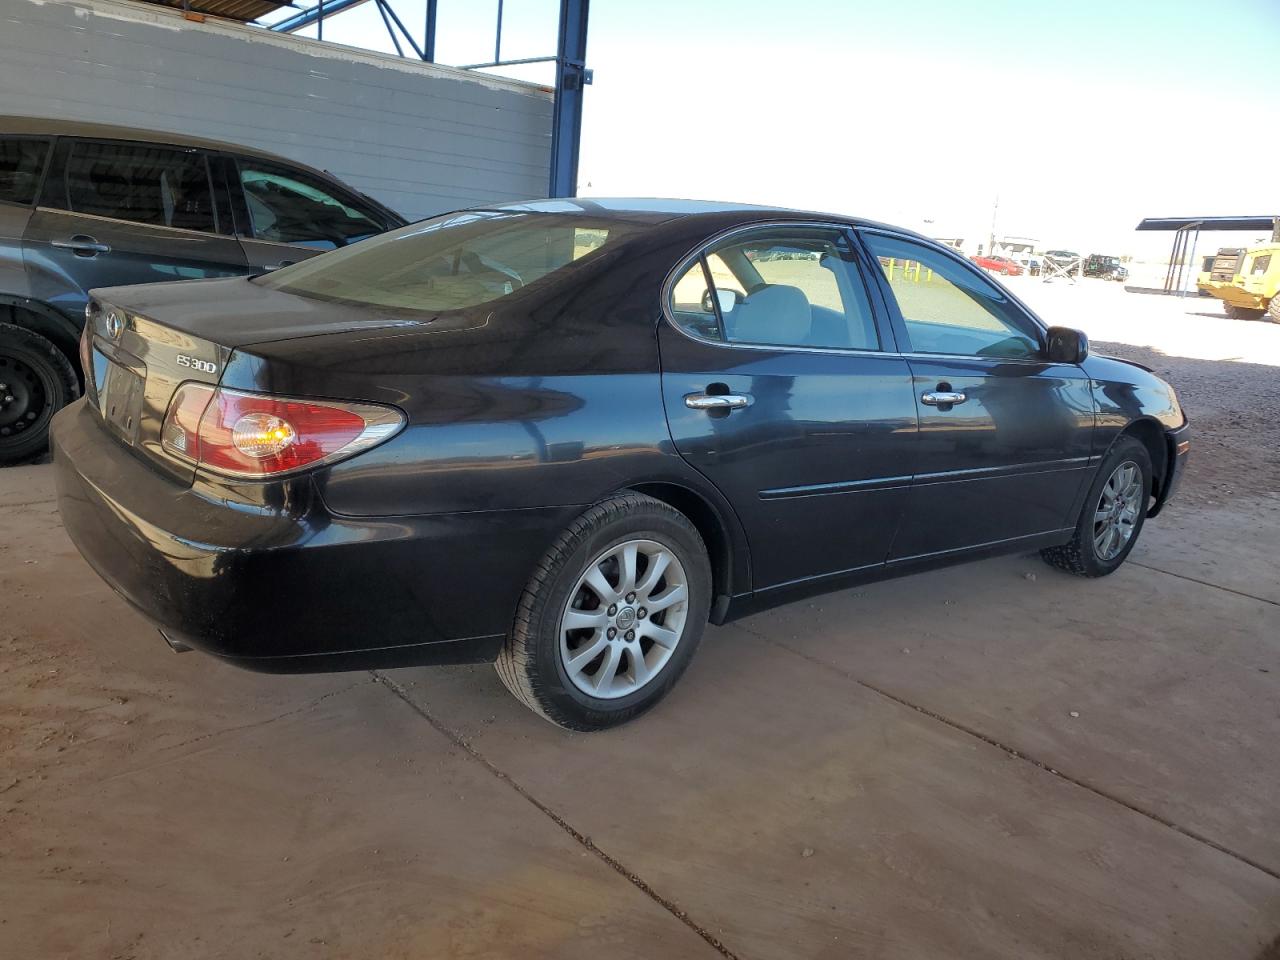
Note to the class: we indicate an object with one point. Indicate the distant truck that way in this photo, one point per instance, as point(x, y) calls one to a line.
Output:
point(1108, 268)
point(1246, 281)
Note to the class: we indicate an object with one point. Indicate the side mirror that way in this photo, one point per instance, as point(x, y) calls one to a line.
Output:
point(1067, 345)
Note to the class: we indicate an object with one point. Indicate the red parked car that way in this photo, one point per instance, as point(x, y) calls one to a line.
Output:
point(1001, 265)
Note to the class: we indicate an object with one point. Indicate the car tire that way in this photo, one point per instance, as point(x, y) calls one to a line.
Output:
point(1124, 479)
point(544, 662)
point(38, 381)
point(1273, 309)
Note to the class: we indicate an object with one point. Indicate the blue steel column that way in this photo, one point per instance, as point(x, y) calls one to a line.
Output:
point(429, 37)
point(566, 116)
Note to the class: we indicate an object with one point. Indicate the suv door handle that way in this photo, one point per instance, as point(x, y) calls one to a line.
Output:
point(716, 401)
point(82, 245)
point(942, 398)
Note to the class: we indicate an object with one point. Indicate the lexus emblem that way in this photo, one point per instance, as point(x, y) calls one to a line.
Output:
point(115, 324)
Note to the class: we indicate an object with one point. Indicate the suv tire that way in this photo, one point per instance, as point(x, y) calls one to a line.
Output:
point(36, 381)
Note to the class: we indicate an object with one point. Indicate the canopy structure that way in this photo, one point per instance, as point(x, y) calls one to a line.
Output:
point(1184, 227)
point(245, 11)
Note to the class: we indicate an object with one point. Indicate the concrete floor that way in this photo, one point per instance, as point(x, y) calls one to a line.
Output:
point(997, 760)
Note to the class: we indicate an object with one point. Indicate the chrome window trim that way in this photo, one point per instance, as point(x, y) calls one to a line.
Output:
point(673, 276)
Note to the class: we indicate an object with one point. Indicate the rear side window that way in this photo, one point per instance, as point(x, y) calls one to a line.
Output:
point(777, 286)
point(157, 186)
point(453, 262)
point(290, 206)
point(21, 163)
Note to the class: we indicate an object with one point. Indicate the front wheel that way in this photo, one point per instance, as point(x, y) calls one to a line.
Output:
point(1113, 514)
point(611, 616)
point(1273, 309)
point(36, 381)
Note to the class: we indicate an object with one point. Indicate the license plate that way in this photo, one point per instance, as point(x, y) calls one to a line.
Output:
point(119, 394)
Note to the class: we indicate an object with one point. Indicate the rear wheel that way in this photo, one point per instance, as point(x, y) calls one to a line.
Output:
point(36, 381)
point(1113, 514)
point(611, 617)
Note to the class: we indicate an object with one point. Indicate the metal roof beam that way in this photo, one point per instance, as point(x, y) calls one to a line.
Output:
point(308, 17)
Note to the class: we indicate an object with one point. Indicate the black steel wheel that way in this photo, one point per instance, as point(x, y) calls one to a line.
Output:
point(36, 381)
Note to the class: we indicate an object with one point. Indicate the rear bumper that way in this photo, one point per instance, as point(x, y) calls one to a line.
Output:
point(1179, 447)
point(293, 587)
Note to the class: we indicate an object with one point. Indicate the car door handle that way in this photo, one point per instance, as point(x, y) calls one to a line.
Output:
point(85, 246)
point(716, 401)
point(941, 398)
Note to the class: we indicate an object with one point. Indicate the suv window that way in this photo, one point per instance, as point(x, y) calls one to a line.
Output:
point(21, 163)
point(158, 186)
point(783, 286)
point(290, 206)
point(950, 308)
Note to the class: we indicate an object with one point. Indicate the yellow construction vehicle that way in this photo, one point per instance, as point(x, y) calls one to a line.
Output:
point(1246, 281)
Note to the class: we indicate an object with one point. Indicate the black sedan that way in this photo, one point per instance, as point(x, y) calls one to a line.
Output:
point(563, 435)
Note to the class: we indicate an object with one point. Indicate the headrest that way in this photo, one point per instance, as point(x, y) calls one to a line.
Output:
point(778, 313)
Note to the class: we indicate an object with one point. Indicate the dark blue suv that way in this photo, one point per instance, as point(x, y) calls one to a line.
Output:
point(85, 205)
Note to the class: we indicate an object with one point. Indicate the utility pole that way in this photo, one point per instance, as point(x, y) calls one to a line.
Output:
point(995, 209)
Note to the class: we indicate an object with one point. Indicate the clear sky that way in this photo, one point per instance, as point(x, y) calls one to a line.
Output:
point(1081, 117)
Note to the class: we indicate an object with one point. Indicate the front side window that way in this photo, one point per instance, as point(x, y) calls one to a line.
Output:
point(21, 163)
point(777, 286)
point(158, 186)
point(1260, 265)
point(949, 308)
point(453, 262)
point(290, 206)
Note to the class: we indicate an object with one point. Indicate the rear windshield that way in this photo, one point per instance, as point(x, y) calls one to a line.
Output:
point(453, 262)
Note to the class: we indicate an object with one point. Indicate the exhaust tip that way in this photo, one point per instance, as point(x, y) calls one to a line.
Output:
point(177, 646)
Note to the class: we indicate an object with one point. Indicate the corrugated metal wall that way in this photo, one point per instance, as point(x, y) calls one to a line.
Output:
point(420, 138)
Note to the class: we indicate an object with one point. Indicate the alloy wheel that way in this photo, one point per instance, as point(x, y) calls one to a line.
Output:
point(623, 619)
point(1116, 514)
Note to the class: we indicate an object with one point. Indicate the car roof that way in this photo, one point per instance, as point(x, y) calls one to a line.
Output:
point(656, 210)
point(45, 127)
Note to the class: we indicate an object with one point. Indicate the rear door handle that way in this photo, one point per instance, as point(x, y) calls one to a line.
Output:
point(942, 398)
point(716, 401)
point(82, 245)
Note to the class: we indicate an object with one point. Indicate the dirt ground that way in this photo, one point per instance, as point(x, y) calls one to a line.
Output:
point(997, 760)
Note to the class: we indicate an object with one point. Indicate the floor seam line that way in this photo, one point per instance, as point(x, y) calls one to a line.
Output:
point(1205, 583)
point(580, 838)
point(1019, 755)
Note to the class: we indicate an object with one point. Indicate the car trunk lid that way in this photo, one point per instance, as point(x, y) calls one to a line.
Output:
point(146, 341)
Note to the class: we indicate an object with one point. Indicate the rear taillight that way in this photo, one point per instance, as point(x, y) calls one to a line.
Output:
point(254, 436)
